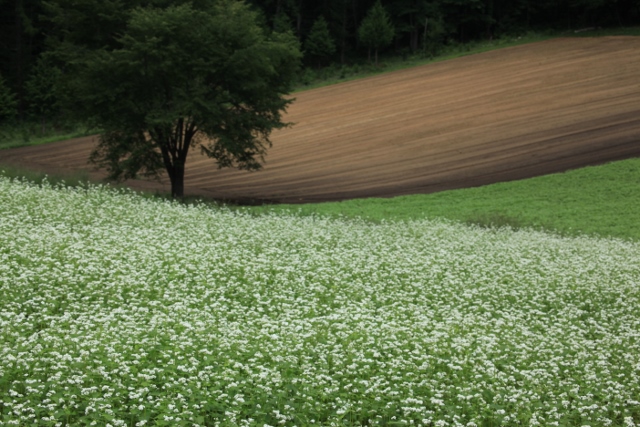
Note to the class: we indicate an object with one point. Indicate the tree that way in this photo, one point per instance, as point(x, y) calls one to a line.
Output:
point(319, 44)
point(339, 24)
point(180, 77)
point(41, 90)
point(376, 31)
point(20, 43)
point(467, 17)
point(416, 22)
point(7, 102)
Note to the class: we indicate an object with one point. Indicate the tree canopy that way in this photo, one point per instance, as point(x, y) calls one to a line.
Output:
point(376, 30)
point(319, 45)
point(27, 27)
point(7, 101)
point(179, 77)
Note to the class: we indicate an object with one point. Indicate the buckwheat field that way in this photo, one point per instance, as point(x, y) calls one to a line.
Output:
point(119, 310)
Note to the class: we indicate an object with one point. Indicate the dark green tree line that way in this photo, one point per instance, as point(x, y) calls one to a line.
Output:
point(376, 31)
point(34, 80)
point(328, 30)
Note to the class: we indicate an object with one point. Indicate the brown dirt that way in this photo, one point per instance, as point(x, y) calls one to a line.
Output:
point(498, 116)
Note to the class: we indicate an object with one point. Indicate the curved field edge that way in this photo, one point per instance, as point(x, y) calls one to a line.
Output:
point(338, 73)
point(121, 310)
point(596, 200)
point(434, 128)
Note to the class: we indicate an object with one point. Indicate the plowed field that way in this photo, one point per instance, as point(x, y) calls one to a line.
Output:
point(503, 115)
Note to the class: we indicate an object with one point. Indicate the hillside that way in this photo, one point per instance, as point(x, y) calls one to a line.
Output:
point(497, 116)
point(122, 310)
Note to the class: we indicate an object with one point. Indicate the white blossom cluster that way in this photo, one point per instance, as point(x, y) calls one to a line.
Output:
point(117, 310)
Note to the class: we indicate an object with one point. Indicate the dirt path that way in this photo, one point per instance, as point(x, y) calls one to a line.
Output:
point(503, 115)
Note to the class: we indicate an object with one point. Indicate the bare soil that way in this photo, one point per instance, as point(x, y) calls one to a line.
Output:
point(498, 116)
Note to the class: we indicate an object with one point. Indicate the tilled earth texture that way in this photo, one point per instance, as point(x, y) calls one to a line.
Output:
point(498, 116)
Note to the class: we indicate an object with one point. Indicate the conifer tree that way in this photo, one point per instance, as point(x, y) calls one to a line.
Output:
point(41, 91)
point(7, 101)
point(376, 31)
point(319, 45)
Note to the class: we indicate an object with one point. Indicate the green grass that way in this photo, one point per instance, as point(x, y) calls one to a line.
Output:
point(337, 73)
point(598, 200)
point(69, 179)
point(603, 32)
point(23, 137)
point(315, 78)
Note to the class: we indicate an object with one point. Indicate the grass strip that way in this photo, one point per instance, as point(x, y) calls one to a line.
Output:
point(597, 200)
point(338, 73)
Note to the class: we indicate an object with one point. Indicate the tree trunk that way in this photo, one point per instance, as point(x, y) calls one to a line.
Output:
point(177, 182)
point(489, 18)
point(413, 42)
point(424, 36)
point(413, 34)
point(343, 36)
point(175, 169)
point(299, 20)
point(617, 11)
point(175, 149)
point(19, 63)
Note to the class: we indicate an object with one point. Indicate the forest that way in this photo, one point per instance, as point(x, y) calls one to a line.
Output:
point(328, 31)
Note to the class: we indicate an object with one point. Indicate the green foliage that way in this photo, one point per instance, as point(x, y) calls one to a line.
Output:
point(336, 73)
point(597, 200)
point(180, 77)
point(7, 102)
point(30, 133)
point(41, 90)
point(605, 32)
point(494, 220)
point(421, 23)
point(282, 24)
point(30, 28)
point(70, 179)
point(376, 31)
point(319, 45)
point(432, 43)
point(88, 24)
